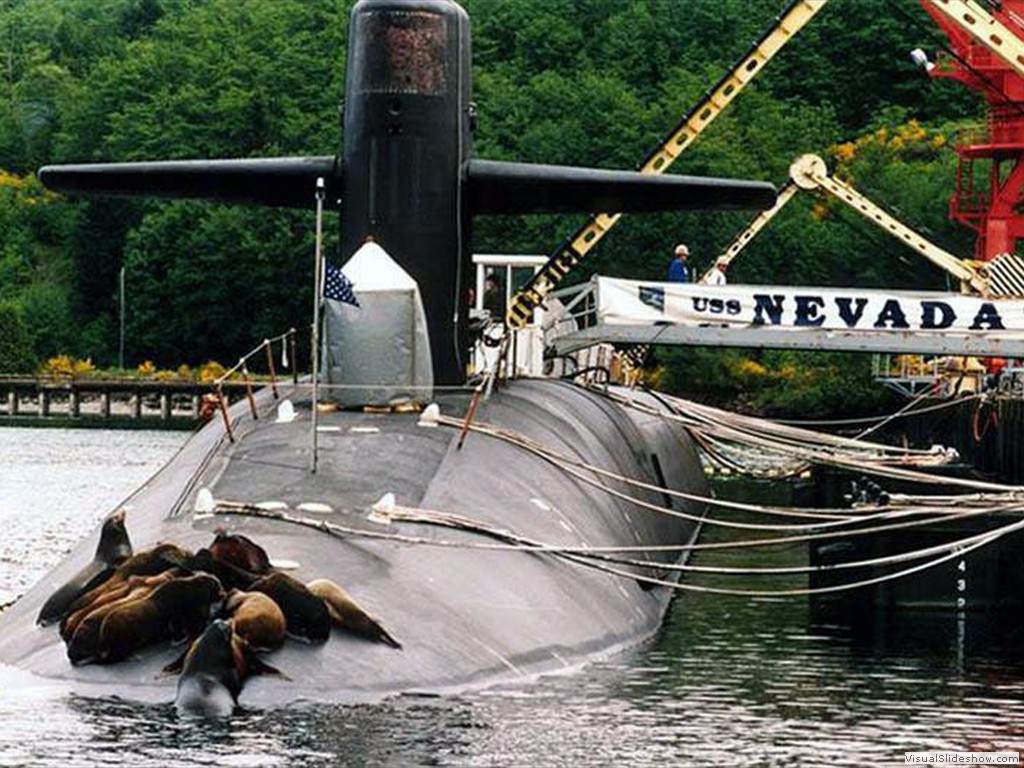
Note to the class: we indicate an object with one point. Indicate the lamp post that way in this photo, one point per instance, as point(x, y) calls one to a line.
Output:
point(120, 349)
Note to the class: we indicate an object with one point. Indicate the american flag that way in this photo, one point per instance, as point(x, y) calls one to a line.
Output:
point(337, 286)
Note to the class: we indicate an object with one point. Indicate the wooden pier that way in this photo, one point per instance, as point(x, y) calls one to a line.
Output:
point(108, 402)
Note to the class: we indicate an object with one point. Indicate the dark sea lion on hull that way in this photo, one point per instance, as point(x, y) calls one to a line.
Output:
point(306, 614)
point(241, 552)
point(231, 576)
point(149, 562)
point(256, 618)
point(347, 613)
point(113, 549)
point(181, 607)
point(211, 676)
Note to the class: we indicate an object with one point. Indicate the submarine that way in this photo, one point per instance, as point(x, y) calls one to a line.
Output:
point(433, 530)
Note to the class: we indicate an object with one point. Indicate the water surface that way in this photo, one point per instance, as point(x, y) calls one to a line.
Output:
point(728, 682)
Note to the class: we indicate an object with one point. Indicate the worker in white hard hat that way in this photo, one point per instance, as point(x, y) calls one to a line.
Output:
point(717, 275)
point(677, 272)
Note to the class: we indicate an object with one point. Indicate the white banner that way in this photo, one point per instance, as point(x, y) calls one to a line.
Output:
point(632, 302)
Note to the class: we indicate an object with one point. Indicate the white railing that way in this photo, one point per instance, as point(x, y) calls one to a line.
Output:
point(526, 352)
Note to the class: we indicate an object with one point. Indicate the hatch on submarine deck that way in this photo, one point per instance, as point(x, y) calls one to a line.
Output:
point(466, 617)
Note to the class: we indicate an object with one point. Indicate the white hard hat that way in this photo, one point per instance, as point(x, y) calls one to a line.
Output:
point(682, 250)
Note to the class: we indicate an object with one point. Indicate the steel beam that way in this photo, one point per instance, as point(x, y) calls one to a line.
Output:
point(899, 342)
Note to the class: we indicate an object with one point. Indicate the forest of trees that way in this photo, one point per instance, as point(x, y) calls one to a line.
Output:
point(582, 82)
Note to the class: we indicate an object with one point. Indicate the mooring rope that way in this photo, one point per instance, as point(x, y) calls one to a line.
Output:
point(719, 457)
point(593, 558)
point(952, 402)
point(867, 467)
point(460, 522)
point(893, 416)
point(786, 434)
point(567, 465)
point(808, 591)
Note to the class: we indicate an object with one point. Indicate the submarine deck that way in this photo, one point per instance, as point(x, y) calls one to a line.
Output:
point(466, 617)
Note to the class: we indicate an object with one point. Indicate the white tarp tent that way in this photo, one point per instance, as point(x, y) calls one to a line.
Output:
point(379, 352)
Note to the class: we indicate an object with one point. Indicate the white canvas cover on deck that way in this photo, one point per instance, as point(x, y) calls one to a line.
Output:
point(379, 351)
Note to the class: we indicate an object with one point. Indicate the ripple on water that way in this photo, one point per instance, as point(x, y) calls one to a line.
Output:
point(57, 484)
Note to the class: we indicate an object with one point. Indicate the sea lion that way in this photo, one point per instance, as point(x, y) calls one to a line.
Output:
point(305, 614)
point(347, 614)
point(82, 640)
point(149, 562)
point(256, 618)
point(152, 561)
point(113, 548)
point(134, 587)
point(211, 677)
point(241, 552)
point(180, 607)
point(231, 576)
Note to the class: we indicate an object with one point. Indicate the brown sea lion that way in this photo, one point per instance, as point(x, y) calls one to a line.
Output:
point(134, 587)
point(241, 552)
point(256, 618)
point(149, 562)
point(83, 640)
point(305, 614)
point(113, 549)
point(347, 613)
point(180, 607)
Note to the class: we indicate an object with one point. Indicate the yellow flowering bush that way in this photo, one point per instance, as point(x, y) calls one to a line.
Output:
point(65, 366)
point(211, 371)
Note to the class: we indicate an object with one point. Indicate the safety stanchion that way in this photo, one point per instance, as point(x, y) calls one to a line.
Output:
point(270, 364)
point(248, 389)
point(293, 344)
point(222, 402)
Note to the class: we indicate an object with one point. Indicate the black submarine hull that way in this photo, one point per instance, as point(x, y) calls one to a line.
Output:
point(466, 617)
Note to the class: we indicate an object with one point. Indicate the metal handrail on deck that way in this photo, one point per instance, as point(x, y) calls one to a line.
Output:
point(288, 337)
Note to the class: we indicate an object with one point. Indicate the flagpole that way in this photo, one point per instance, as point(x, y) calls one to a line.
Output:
point(318, 291)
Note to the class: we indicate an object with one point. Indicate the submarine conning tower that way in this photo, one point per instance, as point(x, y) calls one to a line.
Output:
point(407, 127)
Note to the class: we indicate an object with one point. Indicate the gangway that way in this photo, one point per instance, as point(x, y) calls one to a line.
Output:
point(611, 310)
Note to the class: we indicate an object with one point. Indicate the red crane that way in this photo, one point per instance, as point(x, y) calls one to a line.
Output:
point(986, 40)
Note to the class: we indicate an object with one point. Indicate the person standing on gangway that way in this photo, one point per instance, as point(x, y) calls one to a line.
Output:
point(677, 267)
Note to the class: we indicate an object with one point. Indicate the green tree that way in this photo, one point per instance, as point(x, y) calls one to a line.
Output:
point(15, 347)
